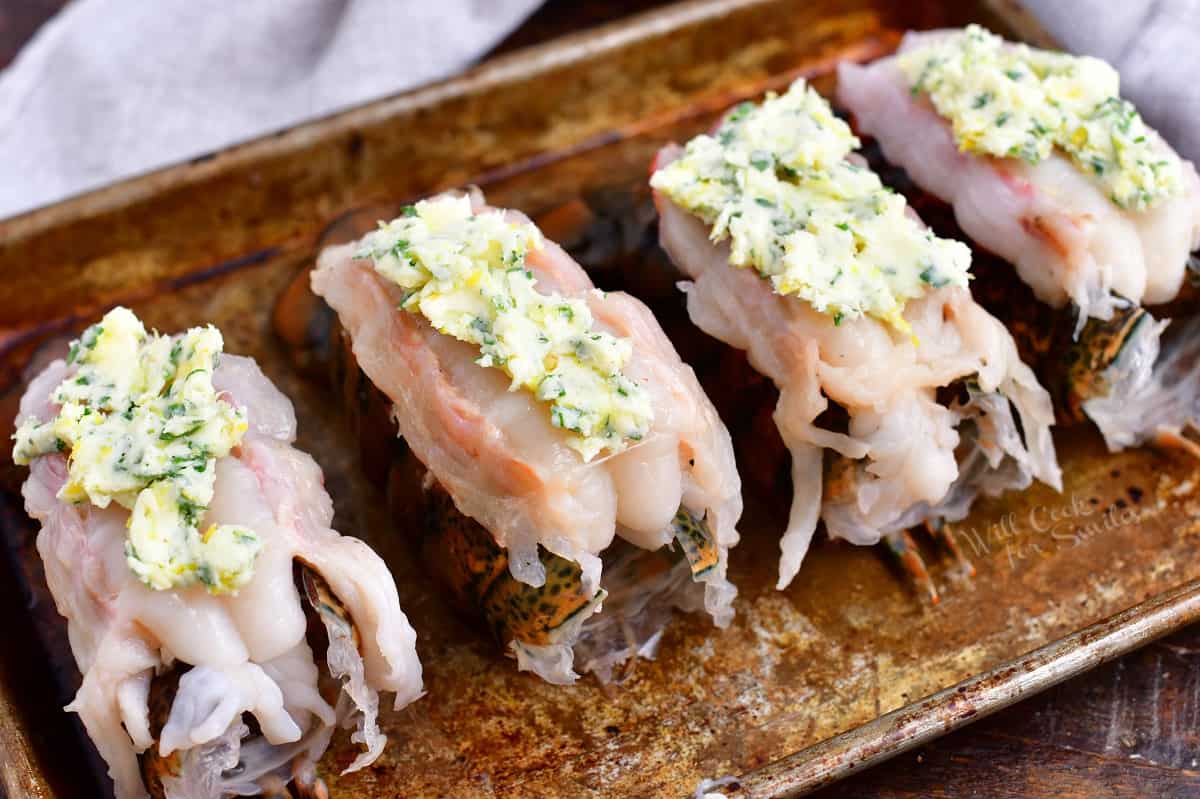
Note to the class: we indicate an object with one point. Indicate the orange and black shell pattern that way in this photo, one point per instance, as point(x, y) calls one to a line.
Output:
point(464, 557)
point(696, 541)
point(1088, 358)
point(840, 478)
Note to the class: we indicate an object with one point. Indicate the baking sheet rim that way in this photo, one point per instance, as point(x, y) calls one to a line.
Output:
point(860, 747)
point(971, 699)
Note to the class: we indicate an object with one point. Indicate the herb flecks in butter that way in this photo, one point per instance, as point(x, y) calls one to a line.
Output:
point(466, 274)
point(142, 426)
point(775, 181)
point(1014, 101)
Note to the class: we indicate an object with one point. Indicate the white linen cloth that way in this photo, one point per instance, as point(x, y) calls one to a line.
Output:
point(1155, 44)
point(113, 88)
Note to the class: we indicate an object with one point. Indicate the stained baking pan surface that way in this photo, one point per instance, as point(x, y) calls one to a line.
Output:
point(849, 665)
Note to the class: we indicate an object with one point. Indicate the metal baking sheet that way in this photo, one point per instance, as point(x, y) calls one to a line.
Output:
point(842, 669)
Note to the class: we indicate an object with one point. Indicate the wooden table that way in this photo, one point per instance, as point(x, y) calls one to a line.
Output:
point(1131, 728)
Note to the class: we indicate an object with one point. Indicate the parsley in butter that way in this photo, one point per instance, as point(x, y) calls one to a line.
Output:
point(142, 426)
point(775, 181)
point(1014, 101)
point(466, 274)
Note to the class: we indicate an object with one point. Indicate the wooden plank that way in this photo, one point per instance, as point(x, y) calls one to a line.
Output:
point(1131, 728)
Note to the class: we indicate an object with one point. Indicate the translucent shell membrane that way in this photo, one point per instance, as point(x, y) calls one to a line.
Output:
point(555, 629)
point(190, 694)
point(991, 456)
point(238, 763)
point(1136, 377)
point(890, 388)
